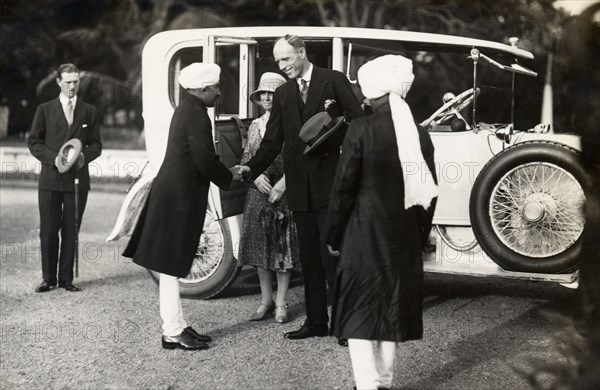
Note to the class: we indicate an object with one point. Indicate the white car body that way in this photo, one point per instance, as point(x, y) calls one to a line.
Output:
point(460, 156)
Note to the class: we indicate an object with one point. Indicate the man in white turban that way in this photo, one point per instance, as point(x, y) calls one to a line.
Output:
point(392, 75)
point(199, 75)
point(378, 222)
point(167, 233)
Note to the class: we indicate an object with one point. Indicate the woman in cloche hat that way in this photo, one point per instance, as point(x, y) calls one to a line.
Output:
point(268, 240)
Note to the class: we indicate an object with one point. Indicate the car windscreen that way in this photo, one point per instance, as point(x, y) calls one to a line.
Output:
point(438, 72)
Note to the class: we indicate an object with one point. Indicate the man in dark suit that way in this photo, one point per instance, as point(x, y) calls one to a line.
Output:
point(308, 177)
point(56, 122)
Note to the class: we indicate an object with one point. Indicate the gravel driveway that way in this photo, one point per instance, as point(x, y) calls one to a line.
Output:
point(108, 335)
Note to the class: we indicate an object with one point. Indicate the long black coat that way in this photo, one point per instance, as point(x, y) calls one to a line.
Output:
point(166, 236)
point(377, 293)
point(50, 131)
point(314, 171)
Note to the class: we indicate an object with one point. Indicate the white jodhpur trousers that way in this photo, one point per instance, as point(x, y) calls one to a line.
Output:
point(372, 363)
point(171, 312)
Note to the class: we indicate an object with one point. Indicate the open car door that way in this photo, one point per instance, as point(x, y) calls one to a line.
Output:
point(232, 114)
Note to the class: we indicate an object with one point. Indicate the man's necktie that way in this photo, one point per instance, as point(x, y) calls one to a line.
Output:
point(303, 89)
point(70, 112)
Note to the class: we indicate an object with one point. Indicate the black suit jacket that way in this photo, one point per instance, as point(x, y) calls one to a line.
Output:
point(308, 176)
point(50, 131)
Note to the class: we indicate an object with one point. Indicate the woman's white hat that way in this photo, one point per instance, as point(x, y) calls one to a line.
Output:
point(269, 82)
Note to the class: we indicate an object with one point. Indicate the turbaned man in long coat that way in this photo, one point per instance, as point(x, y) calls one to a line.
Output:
point(379, 218)
point(166, 236)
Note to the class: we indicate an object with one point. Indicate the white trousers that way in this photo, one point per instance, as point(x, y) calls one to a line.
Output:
point(372, 363)
point(171, 312)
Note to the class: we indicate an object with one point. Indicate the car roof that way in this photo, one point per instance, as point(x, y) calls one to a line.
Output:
point(426, 39)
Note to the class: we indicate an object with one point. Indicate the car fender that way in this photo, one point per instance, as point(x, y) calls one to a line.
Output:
point(571, 140)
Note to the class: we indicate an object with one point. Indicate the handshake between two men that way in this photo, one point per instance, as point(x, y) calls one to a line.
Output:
point(240, 172)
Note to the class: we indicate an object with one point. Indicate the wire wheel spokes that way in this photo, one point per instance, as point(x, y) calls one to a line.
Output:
point(536, 209)
point(209, 254)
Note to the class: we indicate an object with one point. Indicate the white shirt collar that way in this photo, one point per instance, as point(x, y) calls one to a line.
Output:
point(307, 75)
point(65, 100)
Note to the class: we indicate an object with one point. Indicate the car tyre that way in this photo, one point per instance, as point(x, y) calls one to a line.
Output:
point(525, 208)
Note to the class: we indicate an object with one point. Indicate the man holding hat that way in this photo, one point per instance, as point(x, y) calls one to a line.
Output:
point(379, 219)
point(308, 176)
point(56, 123)
point(167, 233)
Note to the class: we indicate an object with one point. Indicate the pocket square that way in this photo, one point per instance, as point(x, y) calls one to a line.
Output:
point(84, 125)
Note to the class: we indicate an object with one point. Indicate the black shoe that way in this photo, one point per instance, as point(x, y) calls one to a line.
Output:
point(307, 331)
point(69, 286)
point(342, 342)
point(197, 336)
point(44, 286)
point(183, 341)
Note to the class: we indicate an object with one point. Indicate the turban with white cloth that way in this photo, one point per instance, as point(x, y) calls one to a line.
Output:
point(393, 74)
point(199, 75)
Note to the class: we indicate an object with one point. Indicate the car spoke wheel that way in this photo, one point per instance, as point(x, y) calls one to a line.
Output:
point(214, 267)
point(210, 252)
point(535, 210)
point(526, 207)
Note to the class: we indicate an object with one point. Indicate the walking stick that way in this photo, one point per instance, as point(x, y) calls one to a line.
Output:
point(76, 222)
point(68, 155)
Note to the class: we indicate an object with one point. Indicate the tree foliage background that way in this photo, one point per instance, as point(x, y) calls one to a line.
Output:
point(105, 37)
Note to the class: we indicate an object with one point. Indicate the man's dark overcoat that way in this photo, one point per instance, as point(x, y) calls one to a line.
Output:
point(166, 236)
point(50, 131)
point(378, 285)
point(314, 171)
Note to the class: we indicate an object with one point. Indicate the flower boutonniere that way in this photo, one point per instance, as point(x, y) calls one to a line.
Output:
point(333, 108)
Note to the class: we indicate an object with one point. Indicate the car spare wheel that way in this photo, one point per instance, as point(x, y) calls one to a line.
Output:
point(214, 267)
point(526, 207)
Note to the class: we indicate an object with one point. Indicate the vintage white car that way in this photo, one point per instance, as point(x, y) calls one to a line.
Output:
point(510, 200)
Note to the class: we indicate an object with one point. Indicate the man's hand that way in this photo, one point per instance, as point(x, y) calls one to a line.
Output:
point(61, 161)
point(240, 172)
point(332, 252)
point(57, 163)
point(263, 184)
point(60, 164)
point(80, 161)
point(236, 175)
